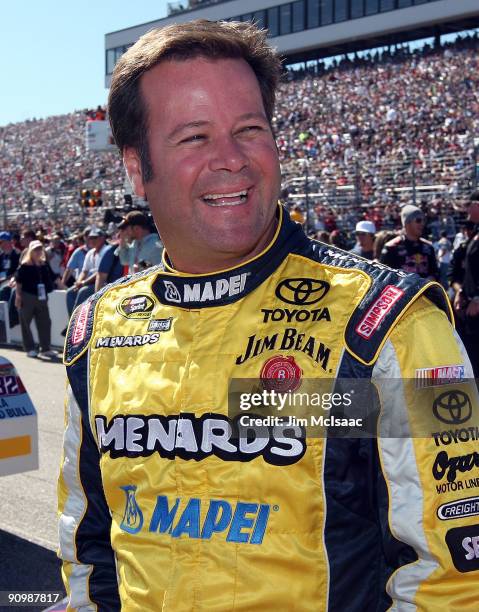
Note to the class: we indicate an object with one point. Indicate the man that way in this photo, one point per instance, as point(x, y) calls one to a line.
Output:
point(409, 251)
point(55, 253)
point(9, 262)
point(162, 504)
point(466, 301)
point(9, 257)
point(76, 260)
point(365, 232)
point(109, 268)
point(84, 286)
point(458, 261)
point(145, 249)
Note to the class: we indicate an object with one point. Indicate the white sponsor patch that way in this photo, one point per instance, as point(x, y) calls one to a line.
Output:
point(208, 291)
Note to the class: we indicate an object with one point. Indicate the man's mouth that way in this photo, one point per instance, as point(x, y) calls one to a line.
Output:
point(226, 199)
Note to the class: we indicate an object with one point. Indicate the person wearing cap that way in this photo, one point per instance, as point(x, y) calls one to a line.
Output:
point(365, 233)
point(35, 280)
point(145, 249)
point(76, 259)
point(9, 260)
point(466, 300)
point(9, 257)
point(85, 284)
point(409, 251)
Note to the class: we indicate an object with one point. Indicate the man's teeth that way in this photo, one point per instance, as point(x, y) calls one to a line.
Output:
point(230, 199)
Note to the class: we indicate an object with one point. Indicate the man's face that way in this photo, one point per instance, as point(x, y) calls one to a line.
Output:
point(415, 227)
point(365, 240)
point(98, 242)
point(216, 176)
point(136, 232)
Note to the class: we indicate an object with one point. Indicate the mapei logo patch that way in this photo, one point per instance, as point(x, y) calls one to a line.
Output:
point(199, 519)
point(441, 375)
point(204, 291)
point(136, 306)
point(378, 310)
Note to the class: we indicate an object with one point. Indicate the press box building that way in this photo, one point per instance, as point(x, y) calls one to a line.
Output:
point(303, 30)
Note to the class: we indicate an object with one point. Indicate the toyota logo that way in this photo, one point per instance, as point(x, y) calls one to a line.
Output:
point(301, 291)
point(452, 407)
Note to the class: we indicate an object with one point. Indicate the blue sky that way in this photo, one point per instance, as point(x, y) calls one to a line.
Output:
point(52, 52)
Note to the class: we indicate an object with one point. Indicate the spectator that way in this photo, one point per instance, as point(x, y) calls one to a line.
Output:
point(77, 259)
point(35, 280)
point(85, 284)
point(9, 258)
point(444, 256)
point(322, 236)
point(337, 238)
point(110, 268)
point(457, 264)
point(466, 301)
point(409, 251)
point(55, 252)
point(9, 261)
point(365, 232)
point(145, 249)
point(25, 239)
point(381, 238)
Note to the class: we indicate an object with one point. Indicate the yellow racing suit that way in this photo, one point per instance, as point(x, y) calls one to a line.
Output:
point(163, 508)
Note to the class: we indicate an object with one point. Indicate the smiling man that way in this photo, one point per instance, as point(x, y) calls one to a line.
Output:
point(167, 502)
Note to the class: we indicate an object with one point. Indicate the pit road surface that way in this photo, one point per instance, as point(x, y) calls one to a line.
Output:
point(28, 522)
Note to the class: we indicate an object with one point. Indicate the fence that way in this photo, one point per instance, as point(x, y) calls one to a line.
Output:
point(341, 184)
point(445, 179)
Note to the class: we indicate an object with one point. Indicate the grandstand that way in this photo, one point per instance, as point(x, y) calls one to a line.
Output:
point(361, 133)
point(305, 30)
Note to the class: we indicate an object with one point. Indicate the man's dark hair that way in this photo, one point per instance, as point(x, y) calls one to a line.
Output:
point(200, 38)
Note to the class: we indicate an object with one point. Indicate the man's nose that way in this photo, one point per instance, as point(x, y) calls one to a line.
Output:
point(228, 155)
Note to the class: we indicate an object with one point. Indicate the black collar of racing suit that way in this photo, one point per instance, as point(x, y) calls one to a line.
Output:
point(227, 286)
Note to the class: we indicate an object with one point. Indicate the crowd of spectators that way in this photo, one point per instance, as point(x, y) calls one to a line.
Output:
point(390, 129)
point(367, 127)
point(81, 264)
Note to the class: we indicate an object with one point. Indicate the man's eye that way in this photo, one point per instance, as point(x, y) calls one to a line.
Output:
point(193, 138)
point(252, 128)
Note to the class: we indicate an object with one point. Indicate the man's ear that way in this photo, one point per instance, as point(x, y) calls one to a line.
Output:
point(132, 163)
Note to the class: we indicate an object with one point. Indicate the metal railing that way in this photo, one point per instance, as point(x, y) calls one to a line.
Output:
point(354, 184)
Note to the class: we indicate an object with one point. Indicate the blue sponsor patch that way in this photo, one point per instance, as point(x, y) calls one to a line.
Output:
point(240, 522)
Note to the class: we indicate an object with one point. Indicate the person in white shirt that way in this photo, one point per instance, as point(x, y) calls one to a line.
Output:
point(85, 284)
